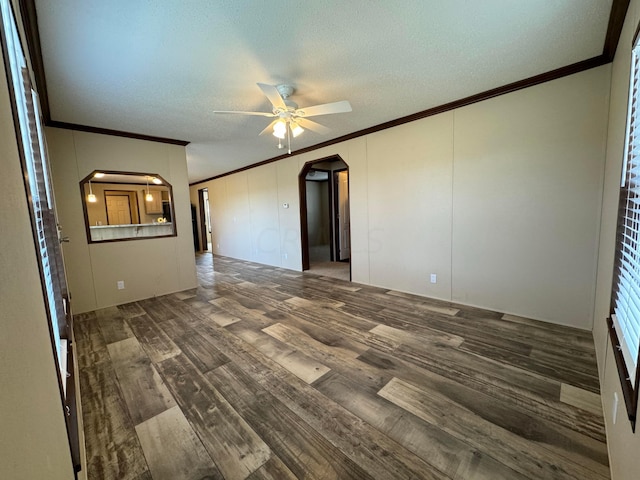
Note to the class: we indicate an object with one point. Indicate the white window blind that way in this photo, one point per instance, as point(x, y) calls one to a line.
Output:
point(40, 194)
point(626, 317)
point(33, 157)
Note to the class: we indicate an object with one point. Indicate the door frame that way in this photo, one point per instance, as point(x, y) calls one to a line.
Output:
point(302, 189)
point(336, 223)
point(330, 206)
point(203, 244)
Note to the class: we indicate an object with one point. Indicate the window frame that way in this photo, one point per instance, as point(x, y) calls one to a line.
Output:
point(31, 145)
point(626, 356)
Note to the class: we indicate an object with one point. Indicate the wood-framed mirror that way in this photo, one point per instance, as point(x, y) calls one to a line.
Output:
point(122, 206)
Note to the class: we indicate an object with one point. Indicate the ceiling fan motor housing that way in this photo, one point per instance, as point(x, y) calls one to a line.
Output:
point(285, 91)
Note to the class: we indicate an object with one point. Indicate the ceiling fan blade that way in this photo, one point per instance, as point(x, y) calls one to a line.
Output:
point(269, 127)
point(273, 95)
point(324, 109)
point(237, 112)
point(313, 126)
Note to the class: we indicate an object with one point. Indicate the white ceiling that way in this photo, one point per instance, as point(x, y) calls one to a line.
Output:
point(161, 67)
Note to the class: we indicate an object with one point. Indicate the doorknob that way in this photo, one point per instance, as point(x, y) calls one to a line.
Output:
point(64, 240)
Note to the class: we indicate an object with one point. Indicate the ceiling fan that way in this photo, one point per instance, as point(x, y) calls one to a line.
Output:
point(289, 119)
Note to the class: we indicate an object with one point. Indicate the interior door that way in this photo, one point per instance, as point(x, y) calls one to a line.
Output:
point(344, 247)
point(118, 209)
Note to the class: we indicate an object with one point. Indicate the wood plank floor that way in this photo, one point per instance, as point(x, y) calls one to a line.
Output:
point(267, 373)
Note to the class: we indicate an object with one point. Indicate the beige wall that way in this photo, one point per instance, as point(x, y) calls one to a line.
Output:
point(409, 186)
point(622, 443)
point(527, 186)
point(501, 200)
point(33, 438)
point(148, 267)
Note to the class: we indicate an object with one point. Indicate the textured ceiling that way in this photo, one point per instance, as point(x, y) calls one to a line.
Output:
point(161, 67)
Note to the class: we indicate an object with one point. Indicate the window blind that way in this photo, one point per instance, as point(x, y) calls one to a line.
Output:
point(32, 147)
point(627, 296)
point(625, 317)
point(46, 225)
point(38, 183)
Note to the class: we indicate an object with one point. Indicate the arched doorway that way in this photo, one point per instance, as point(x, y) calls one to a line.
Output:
point(325, 217)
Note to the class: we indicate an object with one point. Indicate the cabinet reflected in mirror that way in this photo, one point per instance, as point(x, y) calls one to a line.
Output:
point(127, 206)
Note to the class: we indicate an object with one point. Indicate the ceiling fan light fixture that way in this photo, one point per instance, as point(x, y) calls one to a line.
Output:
point(296, 129)
point(286, 114)
point(280, 128)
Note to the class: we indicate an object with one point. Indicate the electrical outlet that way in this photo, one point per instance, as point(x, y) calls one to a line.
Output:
point(434, 278)
point(120, 284)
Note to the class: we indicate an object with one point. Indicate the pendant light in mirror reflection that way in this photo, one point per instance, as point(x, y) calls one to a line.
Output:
point(91, 198)
point(148, 197)
point(126, 206)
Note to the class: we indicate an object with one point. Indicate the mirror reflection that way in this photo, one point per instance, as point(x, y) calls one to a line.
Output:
point(126, 206)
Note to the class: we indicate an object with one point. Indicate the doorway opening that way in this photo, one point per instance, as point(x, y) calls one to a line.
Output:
point(205, 220)
point(325, 217)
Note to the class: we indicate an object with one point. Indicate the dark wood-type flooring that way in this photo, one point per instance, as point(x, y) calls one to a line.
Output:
point(267, 373)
